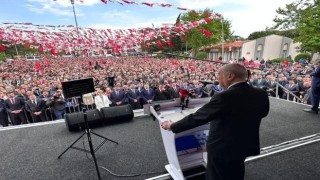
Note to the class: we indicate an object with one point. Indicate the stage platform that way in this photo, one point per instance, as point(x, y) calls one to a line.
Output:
point(30, 151)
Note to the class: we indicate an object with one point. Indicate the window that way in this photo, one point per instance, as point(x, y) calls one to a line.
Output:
point(259, 51)
point(285, 50)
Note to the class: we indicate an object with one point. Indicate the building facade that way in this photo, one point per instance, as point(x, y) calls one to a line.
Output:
point(268, 47)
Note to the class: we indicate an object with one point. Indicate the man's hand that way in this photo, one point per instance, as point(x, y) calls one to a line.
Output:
point(167, 125)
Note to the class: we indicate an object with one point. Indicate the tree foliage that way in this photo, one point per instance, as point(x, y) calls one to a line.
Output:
point(304, 16)
point(291, 33)
point(2, 56)
point(306, 56)
point(196, 39)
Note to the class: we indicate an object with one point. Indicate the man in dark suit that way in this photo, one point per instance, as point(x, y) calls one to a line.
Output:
point(134, 97)
point(35, 106)
point(292, 87)
point(117, 97)
point(147, 94)
point(272, 87)
point(15, 108)
point(3, 112)
point(315, 91)
point(260, 82)
point(174, 91)
point(234, 115)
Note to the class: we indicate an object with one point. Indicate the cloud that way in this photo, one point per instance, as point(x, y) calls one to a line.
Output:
point(157, 22)
point(246, 16)
point(59, 7)
point(66, 3)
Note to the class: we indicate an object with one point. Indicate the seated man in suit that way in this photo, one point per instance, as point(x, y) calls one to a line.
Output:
point(101, 100)
point(234, 129)
point(15, 108)
point(35, 106)
point(117, 97)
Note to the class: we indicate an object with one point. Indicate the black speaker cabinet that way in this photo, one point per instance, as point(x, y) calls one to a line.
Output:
point(117, 113)
point(74, 120)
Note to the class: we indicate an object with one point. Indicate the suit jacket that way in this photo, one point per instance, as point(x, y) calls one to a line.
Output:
point(174, 93)
point(147, 95)
point(262, 83)
point(234, 115)
point(117, 98)
point(293, 88)
point(17, 105)
point(32, 107)
point(272, 85)
point(3, 112)
point(315, 81)
point(102, 102)
point(133, 94)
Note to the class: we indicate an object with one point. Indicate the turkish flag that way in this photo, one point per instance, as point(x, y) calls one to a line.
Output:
point(2, 48)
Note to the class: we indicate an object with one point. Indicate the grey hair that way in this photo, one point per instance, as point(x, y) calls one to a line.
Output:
point(238, 70)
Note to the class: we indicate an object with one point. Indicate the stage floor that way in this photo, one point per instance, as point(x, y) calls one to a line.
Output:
point(31, 152)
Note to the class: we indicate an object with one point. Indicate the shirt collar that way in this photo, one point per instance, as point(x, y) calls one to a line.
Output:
point(235, 84)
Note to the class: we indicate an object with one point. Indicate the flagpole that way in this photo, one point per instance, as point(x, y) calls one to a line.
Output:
point(76, 21)
point(222, 40)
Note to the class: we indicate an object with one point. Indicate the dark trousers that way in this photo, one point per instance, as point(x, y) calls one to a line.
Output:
point(135, 105)
point(221, 169)
point(39, 118)
point(59, 114)
point(315, 99)
point(3, 119)
point(19, 118)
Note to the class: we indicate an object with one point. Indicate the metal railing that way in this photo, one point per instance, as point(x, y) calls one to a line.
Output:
point(288, 92)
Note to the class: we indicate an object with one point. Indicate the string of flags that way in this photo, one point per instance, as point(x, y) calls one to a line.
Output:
point(130, 2)
point(64, 38)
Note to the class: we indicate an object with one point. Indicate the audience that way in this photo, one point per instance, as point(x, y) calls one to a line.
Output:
point(129, 80)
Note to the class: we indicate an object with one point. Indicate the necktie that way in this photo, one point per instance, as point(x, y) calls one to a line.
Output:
point(12, 101)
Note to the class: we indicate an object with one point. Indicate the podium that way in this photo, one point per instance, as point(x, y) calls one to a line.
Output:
point(185, 150)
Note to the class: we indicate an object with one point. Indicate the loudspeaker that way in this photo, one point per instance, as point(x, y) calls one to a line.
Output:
point(74, 120)
point(117, 113)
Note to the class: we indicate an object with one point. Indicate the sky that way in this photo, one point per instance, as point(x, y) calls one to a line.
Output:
point(246, 16)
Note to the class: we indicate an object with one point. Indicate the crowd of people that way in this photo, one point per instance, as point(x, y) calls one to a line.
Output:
point(31, 91)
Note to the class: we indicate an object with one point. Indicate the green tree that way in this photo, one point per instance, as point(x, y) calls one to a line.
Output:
point(309, 26)
point(2, 56)
point(196, 39)
point(290, 33)
point(304, 16)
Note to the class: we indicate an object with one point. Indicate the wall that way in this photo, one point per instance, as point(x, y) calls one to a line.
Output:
point(294, 47)
point(248, 49)
point(272, 47)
